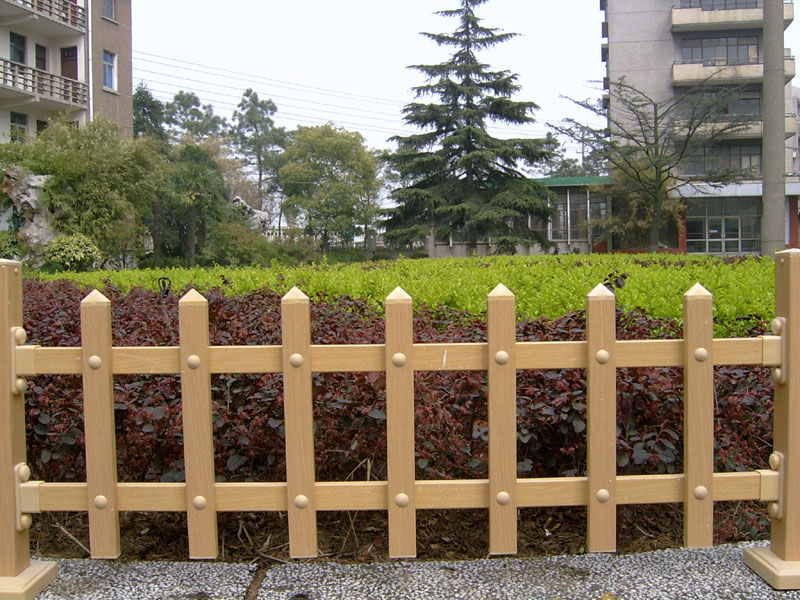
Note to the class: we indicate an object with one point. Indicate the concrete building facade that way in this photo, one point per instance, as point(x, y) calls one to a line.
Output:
point(668, 47)
point(67, 58)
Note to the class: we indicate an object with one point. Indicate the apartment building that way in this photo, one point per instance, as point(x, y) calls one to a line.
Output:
point(668, 47)
point(64, 57)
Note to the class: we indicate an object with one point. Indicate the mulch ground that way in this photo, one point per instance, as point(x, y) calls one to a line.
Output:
point(362, 536)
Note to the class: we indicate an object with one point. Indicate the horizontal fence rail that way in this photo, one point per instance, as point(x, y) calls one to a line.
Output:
point(102, 496)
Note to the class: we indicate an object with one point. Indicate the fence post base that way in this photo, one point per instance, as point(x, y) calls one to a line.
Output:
point(780, 574)
point(30, 582)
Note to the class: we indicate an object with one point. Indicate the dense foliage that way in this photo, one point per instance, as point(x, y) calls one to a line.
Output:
point(547, 286)
point(349, 408)
point(463, 182)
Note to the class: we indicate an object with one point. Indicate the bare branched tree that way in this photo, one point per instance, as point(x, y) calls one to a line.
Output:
point(655, 148)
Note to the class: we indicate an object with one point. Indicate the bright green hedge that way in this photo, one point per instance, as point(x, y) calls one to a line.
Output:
point(544, 285)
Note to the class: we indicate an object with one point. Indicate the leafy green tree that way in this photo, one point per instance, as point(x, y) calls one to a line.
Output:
point(331, 183)
point(654, 148)
point(186, 117)
point(101, 182)
point(259, 142)
point(466, 183)
point(149, 114)
point(200, 192)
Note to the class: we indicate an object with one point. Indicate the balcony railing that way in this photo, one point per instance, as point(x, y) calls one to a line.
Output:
point(63, 11)
point(41, 83)
point(722, 61)
point(722, 4)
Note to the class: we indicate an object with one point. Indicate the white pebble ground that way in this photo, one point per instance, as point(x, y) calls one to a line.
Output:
point(680, 574)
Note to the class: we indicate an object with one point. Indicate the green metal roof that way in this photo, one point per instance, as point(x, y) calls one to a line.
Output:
point(575, 181)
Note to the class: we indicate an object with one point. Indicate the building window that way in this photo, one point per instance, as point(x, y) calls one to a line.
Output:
point(109, 70)
point(108, 9)
point(40, 126)
point(722, 4)
point(739, 158)
point(723, 225)
point(18, 127)
point(17, 48)
point(722, 51)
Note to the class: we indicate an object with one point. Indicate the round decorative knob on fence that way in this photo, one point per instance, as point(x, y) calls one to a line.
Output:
point(199, 502)
point(94, 362)
point(777, 326)
point(20, 336)
point(774, 461)
point(296, 360)
point(300, 501)
point(398, 359)
point(701, 355)
point(603, 495)
point(100, 502)
point(700, 492)
point(501, 358)
point(773, 510)
point(20, 385)
point(193, 361)
point(23, 473)
point(25, 522)
point(503, 498)
point(602, 356)
point(778, 376)
point(402, 500)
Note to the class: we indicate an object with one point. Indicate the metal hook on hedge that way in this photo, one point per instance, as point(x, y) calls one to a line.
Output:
point(164, 286)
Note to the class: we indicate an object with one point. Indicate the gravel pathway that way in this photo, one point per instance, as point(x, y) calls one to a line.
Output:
point(678, 574)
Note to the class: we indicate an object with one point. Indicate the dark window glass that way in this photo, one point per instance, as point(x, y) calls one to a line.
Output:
point(19, 126)
point(108, 9)
point(17, 47)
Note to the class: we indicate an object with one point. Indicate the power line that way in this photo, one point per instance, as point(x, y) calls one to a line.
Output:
point(249, 79)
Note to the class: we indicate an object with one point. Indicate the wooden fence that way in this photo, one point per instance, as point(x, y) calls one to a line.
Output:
point(601, 491)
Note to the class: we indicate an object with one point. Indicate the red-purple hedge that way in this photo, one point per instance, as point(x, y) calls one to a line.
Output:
point(349, 408)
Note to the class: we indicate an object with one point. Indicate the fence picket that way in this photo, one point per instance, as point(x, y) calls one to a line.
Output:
point(198, 432)
point(400, 425)
point(698, 419)
point(601, 379)
point(14, 548)
point(502, 381)
point(299, 424)
point(98, 419)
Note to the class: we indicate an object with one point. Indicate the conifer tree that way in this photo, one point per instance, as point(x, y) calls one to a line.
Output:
point(464, 182)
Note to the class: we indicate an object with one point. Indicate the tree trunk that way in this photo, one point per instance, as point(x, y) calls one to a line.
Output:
point(191, 235)
point(655, 224)
point(158, 231)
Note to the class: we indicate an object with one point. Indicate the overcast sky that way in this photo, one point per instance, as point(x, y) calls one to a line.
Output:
point(345, 60)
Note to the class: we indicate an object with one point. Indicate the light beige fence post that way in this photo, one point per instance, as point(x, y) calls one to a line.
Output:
point(298, 409)
point(198, 430)
point(400, 424)
point(779, 564)
point(502, 380)
point(601, 436)
point(19, 577)
point(98, 419)
point(698, 418)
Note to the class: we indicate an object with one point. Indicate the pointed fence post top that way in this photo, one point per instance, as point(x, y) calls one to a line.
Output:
point(192, 297)
point(501, 291)
point(398, 295)
point(294, 296)
point(94, 298)
point(600, 291)
point(697, 291)
point(793, 253)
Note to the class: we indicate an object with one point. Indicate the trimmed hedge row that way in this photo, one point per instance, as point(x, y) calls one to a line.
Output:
point(349, 408)
point(548, 286)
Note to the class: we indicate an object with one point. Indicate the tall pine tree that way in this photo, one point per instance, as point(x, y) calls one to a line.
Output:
point(464, 182)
